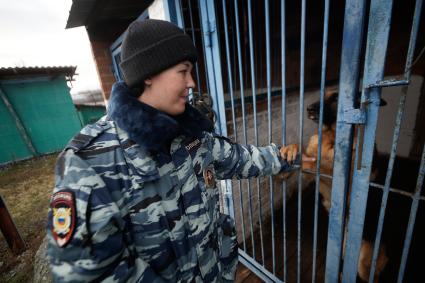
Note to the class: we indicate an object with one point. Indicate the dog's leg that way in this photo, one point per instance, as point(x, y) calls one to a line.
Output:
point(365, 261)
point(325, 190)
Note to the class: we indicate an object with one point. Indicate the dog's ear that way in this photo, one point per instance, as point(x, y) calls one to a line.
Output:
point(382, 102)
point(329, 91)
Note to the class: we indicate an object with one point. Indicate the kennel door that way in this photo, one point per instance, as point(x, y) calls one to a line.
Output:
point(365, 118)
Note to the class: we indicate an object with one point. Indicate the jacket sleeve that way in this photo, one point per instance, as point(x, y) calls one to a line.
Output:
point(100, 247)
point(246, 161)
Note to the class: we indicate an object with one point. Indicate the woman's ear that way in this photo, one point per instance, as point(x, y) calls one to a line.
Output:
point(148, 82)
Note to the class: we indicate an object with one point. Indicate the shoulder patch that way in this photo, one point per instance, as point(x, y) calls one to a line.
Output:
point(64, 217)
point(193, 145)
point(222, 138)
point(79, 141)
point(86, 135)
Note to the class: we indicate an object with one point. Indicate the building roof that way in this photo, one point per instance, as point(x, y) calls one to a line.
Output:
point(19, 72)
point(89, 12)
point(88, 98)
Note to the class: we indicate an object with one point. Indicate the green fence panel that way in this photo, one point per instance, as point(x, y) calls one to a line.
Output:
point(12, 146)
point(46, 111)
point(90, 114)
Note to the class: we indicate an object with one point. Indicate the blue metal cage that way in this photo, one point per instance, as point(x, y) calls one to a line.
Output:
point(255, 63)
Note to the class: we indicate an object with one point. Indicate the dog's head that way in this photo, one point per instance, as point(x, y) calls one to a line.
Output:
point(330, 107)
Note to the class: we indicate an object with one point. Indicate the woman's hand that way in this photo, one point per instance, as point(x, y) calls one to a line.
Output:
point(289, 153)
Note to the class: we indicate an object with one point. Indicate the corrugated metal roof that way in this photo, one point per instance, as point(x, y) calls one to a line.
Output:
point(15, 72)
point(87, 12)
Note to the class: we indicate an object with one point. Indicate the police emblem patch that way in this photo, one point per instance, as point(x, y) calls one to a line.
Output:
point(209, 177)
point(64, 217)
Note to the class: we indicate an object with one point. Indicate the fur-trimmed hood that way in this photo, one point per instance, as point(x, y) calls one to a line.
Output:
point(149, 127)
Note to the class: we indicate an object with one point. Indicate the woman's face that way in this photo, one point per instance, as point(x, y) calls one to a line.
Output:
point(168, 90)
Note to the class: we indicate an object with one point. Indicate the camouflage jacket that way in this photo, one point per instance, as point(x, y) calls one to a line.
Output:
point(129, 208)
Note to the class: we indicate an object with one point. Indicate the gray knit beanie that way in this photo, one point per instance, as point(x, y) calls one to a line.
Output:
point(151, 46)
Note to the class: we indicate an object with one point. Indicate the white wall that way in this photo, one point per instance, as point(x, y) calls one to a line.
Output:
point(388, 113)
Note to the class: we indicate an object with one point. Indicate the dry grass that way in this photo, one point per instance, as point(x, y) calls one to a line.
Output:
point(26, 188)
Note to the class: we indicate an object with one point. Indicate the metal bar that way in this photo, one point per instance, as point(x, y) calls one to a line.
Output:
point(269, 126)
point(397, 191)
point(204, 44)
point(410, 53)
point(283, 73)
point(254, 105)
point(241, 86)
point(170, 9)
point(268, 70)
point(260, 54)
point(412, 43)
point(213, 62)
point(179, 14)
point(230, 81)
point(388, 176)
point(311, 172)
point(301, 119)
point(214, 75)
point(229, 70)
point(377, 42)
point(285, 259)
point(413, 36)
point(388, 83)
point(417, 196)
point(283, 67)
point(180, 17)
point(244, 130)
point(251, 226)
point(198, 80)
point(373, 185)
point(412, 218)
point(319, 150)
point(179, 20)
point(349, 71)
point(241, 81)
point(255, 267)
point(253, 77)
point(116, 69)
point(242, 216)
point(18, 123)
point(213, 68)
point(260, 221)
point(234, 49)
point(227, 190)
point(9, 230)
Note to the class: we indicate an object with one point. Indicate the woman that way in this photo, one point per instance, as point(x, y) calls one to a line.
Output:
point(135, 197)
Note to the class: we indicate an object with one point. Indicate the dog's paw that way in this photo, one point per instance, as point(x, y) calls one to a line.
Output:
point(289, 152)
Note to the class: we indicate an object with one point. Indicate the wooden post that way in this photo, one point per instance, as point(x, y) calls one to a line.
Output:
point(9, 230)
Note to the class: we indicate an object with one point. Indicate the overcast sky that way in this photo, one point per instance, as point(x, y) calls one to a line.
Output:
point(32, 33)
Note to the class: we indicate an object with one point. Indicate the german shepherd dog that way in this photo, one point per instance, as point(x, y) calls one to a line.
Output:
point(328, 142)
point(326, 167)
